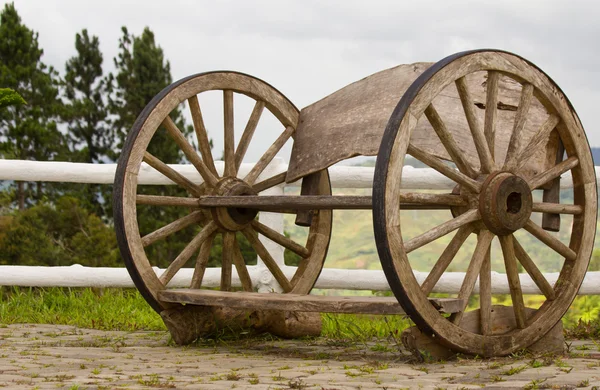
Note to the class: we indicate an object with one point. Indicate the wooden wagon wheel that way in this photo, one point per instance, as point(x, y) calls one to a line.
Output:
point(499, 194)
point(214, 221)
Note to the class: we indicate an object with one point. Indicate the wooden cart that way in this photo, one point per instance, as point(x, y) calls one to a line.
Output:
point(488, 120)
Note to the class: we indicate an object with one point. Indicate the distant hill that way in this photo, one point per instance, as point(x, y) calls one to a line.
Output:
point(596, 155)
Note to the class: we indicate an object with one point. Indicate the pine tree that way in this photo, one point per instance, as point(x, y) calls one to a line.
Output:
point(141, 72)
point(86, 112)
point(28, 132)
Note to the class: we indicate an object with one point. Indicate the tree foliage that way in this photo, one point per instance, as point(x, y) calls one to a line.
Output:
point(86, 114)
point(28, 132)
point(8, 97)
point(63, 234)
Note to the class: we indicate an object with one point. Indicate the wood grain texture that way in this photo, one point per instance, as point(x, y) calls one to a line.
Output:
point(446, 258)
point(533, 271)
point(485, 294)
point(202, 262)
point(187, 252)
point(229, 135)
point(550, 240)
point(491, 110)
point(553, 172)
point(483, 151)
point(227, 261)
point(280, 239)
point(269, 183)
point(512, 274)
point(551, 221)
point(172, 174)
point(240, 266)
point(266, 158)
point(351, 121)
point(388, 173)
point(140, 136)
point(447, 140)
point(266, 257)
point(173, 227)
point(537, 141)
point(189, 151)
point(201, 134)
point(516, 138)
point(443, 168)
point(301, 303)
point(248, 133)
point(158, 200)
point(557, 208)
point(441, 230)
point(484, 240)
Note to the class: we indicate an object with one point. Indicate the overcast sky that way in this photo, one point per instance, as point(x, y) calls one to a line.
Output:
point(308, 49)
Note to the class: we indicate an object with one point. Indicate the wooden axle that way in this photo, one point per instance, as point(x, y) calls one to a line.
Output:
point(409, 201)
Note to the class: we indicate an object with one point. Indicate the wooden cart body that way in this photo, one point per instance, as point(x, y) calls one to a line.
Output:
point(505, 127)
point(351, 121)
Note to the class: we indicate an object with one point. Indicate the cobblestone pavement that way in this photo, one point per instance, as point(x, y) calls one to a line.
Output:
point(52, 356)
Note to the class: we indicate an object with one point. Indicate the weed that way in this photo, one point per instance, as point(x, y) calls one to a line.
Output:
point(233, 376)
point(584, 383)
point(253, 381)
point(534, 384)
point(514, 370)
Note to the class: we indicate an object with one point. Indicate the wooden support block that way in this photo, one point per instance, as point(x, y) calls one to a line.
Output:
point(425, 347)
point(190, 322)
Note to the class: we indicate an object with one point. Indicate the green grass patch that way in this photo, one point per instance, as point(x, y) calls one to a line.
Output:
point(103, 309)
point(126, 310)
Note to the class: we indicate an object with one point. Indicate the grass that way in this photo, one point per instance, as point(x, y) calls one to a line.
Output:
point(126, 310)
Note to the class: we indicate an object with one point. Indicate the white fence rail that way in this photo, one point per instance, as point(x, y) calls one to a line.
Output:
point(341, 177)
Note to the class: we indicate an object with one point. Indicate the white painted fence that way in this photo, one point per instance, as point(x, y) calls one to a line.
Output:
point(341, 177)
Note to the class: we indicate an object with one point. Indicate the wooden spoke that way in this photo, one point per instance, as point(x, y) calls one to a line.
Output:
point(187, 252)
point(242, 147)
point(538, 140)
point(189, 152)
point(556, 208)
point(229, 137)
point(158, 200)
point(240, 266)
point(448, 141)
point(553, 172)
point(443, 168)
point(441, 230)
point(268, 156)
point(172, 174)
point(491, 111)
point(512, 274)
point(280, 239)
point(533, 271)
point(485, 294)
point(487, 162)
point(445, 259)
point(484, 239)
point(550, 240)
point(270, 182)
point(202, 134)
point(173, 227)
point(267, 259)
point(202, 262)
point(514, 145)
point(227, 260)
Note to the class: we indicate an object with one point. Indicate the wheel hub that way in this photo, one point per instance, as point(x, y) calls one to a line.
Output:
point(505, 203)
point(233, 218)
